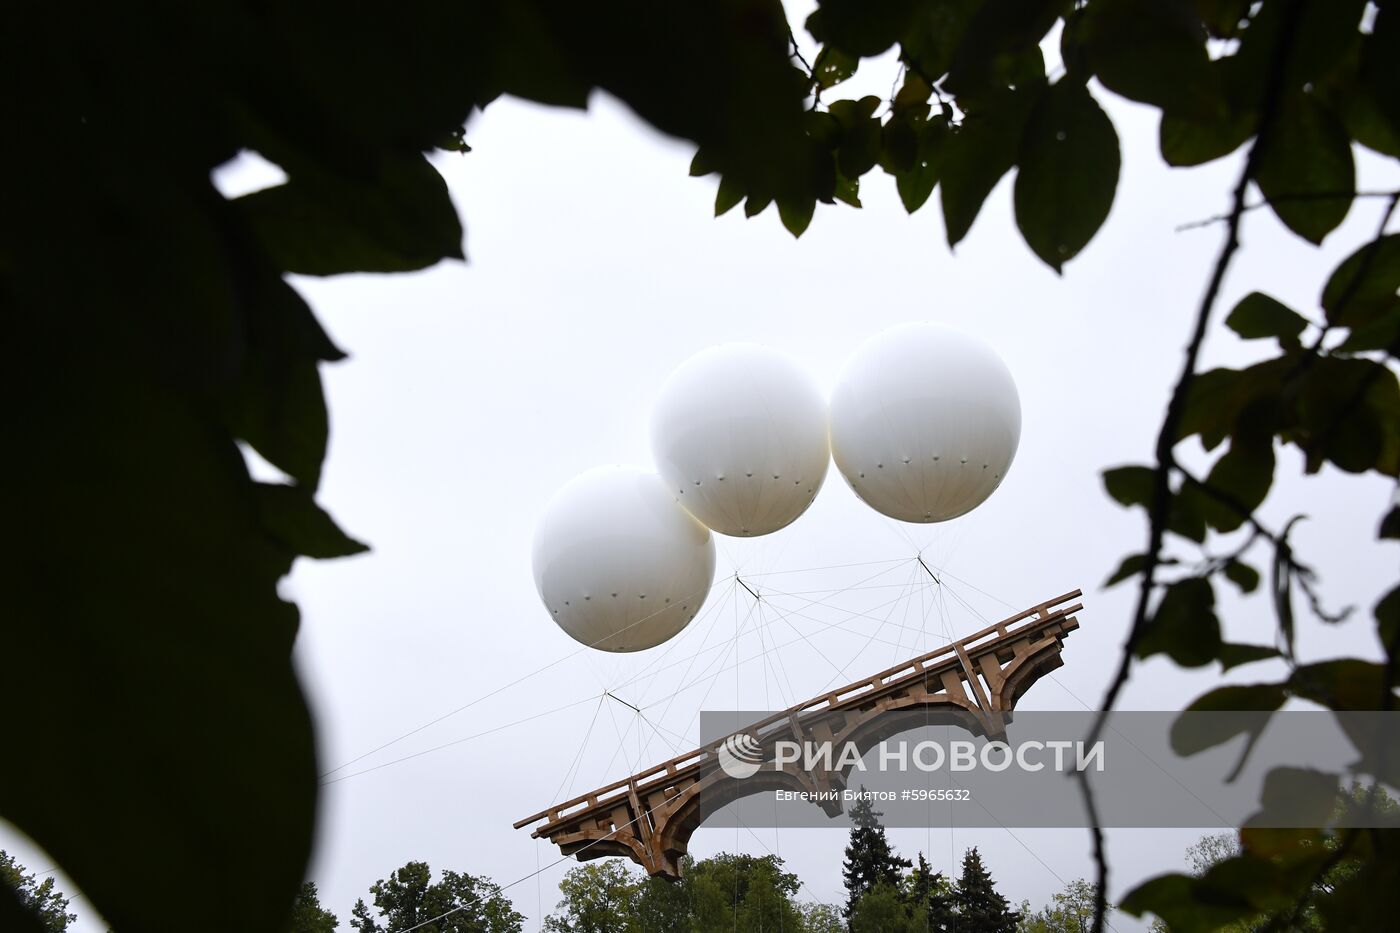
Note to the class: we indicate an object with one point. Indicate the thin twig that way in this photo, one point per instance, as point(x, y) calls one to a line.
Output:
point(1314, 196)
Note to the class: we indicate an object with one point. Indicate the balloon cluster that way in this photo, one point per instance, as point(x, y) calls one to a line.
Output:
point(923, 425)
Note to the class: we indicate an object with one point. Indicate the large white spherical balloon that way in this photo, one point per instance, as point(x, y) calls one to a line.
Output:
point(739, 434)
point(619, 565)
point(924, 422)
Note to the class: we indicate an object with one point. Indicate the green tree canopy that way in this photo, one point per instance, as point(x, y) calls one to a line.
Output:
point(25, 899)
point(308, 916)
point(458, 903)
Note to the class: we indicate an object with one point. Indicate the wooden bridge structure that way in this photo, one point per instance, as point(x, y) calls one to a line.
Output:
point(973, 682)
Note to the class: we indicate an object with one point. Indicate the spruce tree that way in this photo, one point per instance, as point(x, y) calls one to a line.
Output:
point(931, 892)
point(869, 858)
point(981, 908)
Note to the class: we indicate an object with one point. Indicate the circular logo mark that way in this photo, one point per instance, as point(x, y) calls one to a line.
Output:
point(740, 756)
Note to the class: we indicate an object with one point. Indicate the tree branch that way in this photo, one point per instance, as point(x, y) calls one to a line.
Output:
point(1166, 438)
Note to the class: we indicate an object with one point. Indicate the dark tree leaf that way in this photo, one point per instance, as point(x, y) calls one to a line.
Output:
point(982, 150)
point(1388, 620)
point(1243, 576)
point(1154, 51)
point(833, 66)
point(796, 215)
point(1186, 142)
point(1379, 76)
point(757, 204)
point(396, 219)
point(863, 28)
point(1192, 734)
point(1390, 525)
point(728, 196)
point(935, 33)
point(1000, 47)
point(1173, 898)
point(1258, 316)
point(847, 191)
point(1325, 33)
point(1344, 684)
point(1363, 288)
point(1349, 414)
point(1223, 17)
point(1184, 627)
point(1129, 485)
point(1296, 795)
point(293, 519)
point(917, 182)
point(1243, 476)
point(1131, 566)
point(278, 406)
point(1306, 169)
point(1234, 655)
point(1069, 163)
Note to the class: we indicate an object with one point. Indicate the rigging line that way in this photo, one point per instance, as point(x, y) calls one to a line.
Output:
point(947, 573)
point(713, 625)
point(842, 671)
point(735, 645)
point(621, 744)
point(500, 689)
point(578, 756)
point(719, 658)
point(866, 563)
point(791, 696)
point(468, 738)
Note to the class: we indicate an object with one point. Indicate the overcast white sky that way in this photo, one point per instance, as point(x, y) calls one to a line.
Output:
point(473, 391)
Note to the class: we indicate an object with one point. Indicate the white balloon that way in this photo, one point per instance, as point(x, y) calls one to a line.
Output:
point(739, 434)
point(924, 422)
point(619, 565)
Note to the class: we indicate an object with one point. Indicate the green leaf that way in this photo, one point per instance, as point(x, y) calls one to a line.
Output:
point(1242, 575)
point(899, 145)
point(796, 215)
point(397, 218)
point(863, 28)
point(1363, 288)
point(916, 181)
point(1129, 485)
point(1244, 474)
point(1000, 46)
point(1349, 414)
point(1069, 162)
point(277, 405)
point(982, 150)
point(293, 519)
point(912, 97)
point(1293, 796)
point(859, 149)
point(1154, 51)
point(730, 193)
point(1192, 734)
point(1173, 898)
point(847, 191)
point(935, 33)
point(1344, 684)
point(833, 66)
point(756, 204)
point(1259, 316)
point(701, 164)
point(1306, 169)
point(1234, 655)
point(1131, 566)
point(1223, 17)
point(1184, 627)
point(1390, 525)
point(1387, 614)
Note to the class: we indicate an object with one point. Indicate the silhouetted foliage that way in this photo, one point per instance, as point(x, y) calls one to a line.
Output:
point(25, 899)
point(981, 908)
point(308, 916)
